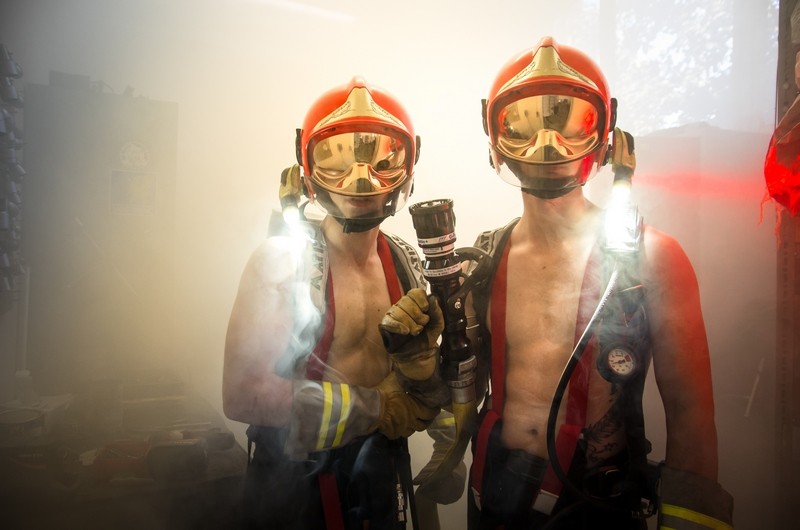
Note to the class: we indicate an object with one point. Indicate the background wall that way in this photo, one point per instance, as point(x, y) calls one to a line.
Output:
point(695, 80)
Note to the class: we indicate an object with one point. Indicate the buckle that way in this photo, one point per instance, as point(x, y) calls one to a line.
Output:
point(545, 502)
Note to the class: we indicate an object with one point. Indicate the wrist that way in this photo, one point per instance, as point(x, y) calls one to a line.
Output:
point(420, 366)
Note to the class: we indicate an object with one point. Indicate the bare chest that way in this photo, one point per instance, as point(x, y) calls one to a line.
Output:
point(542, 300)
point(361, 298)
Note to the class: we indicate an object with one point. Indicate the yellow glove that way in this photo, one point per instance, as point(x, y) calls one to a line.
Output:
point(418, 317)
point(401, 414)
point(414, 325)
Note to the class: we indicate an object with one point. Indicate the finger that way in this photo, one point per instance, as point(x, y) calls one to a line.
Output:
point(392, 324)
point(420, 297)
point(435, 314)
point(397, 320)
point(405, 317)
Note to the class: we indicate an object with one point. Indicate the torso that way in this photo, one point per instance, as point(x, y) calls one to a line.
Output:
point(542, 301)
point(357, 355)
point(543, 294)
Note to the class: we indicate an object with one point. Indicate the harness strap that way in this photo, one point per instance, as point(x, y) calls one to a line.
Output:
point(498, 298)
point(319, 355)
point(389, 271)
point(330, 501)
point(499, 333)
point(315, 368)
point(577, 401)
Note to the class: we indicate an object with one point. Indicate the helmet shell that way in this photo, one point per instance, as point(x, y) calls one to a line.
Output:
point(550, 68)
point(357, 107)
point(333, 112)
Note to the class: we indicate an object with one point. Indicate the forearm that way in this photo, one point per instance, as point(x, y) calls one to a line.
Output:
point(327, 415)
point(692, 444)
point(257, 401)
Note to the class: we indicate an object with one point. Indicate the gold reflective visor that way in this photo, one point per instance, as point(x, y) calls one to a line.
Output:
point(358, 162)
point(548, 128)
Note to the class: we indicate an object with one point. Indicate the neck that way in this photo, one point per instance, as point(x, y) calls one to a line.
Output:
point(358, 245)
point(557, 221)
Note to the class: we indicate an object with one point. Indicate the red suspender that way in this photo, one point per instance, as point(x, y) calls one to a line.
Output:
point(316, 361)
point(498, 298)
point(315, 368)
point(577, 399)
point(567, 437)
point(329, 493)
point(392, 281)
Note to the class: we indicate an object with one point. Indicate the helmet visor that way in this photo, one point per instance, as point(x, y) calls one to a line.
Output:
point(358, 163)
point(548, 128)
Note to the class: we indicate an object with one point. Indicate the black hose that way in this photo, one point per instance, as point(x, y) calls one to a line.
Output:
point(566, 374)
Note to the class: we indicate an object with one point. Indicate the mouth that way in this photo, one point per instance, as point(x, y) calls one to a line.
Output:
point(362, 202)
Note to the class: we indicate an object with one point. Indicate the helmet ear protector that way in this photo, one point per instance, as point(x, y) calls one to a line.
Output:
point(298, 153)
point(613, 108)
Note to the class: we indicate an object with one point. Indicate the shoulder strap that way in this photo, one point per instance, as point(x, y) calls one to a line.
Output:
point(493, 242)
point(407, 263)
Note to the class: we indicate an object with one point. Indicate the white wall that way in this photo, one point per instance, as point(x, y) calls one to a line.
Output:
point(244, 71)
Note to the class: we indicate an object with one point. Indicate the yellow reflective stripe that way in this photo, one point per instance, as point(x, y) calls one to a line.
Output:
point(327, 406)
point(344, 414)
point(695, 517)
point(447, 420)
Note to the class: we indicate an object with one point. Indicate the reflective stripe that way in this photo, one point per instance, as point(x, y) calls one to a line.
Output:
point(545, 502)
point(327, 404)
point(336, 407)
point(447, 420)
point(343, 416)
point(694, 517)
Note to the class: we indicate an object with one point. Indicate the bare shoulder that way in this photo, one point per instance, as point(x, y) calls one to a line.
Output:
point(273, 262)
point(665, 263)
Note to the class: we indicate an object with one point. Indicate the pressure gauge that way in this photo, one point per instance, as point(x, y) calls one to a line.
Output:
point(617, 364)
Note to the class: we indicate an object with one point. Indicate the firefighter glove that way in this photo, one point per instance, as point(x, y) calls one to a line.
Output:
point(400, 413)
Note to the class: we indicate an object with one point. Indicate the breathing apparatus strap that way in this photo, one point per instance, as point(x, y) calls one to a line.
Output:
point(319, 355)
point(315, 369)
point(567, 438)
point(498, 297)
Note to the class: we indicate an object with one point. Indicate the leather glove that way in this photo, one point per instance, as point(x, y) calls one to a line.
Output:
point(414, 324)
point(418, 317)
point(689, 501)
point(326, 415)
point(449, 488)
point(400, 413)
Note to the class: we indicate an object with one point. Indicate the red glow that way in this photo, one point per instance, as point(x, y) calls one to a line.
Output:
point(783, 178)
point(707, 186)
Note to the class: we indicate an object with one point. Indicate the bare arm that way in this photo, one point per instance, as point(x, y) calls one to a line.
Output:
point(680, 356)
point(259, 332)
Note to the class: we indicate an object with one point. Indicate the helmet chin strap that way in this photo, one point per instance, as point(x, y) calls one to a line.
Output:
point(358, 225)
point(548, 194)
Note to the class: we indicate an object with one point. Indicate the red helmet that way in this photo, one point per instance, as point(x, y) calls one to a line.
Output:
point(357, 148)
point(548, 117)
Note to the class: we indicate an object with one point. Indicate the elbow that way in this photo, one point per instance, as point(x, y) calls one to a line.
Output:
point(232, 407)
point(236, 403)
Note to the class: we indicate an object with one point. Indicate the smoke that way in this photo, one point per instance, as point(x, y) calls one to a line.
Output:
point(699, 100)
